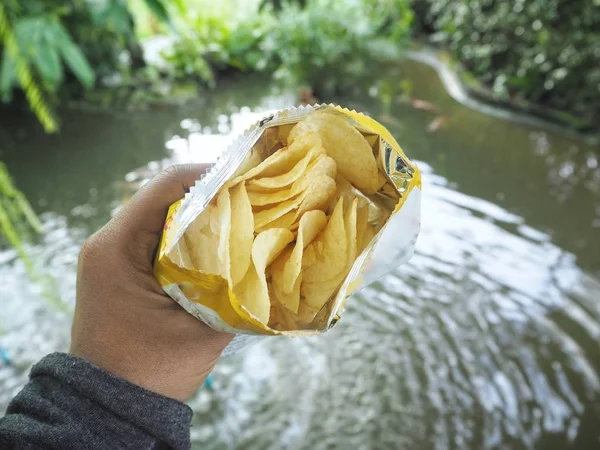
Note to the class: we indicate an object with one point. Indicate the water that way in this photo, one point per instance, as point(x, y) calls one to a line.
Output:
point(487, 339)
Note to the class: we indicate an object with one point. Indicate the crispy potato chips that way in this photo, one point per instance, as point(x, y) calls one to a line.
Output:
point(280, 237)
point(274, 217)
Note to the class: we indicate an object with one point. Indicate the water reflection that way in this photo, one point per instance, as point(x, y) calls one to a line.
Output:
point(487, 339)
point(468, 346)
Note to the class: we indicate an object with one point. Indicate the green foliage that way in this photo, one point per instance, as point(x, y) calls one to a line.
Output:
point(17, 221)
point(277, 5)
point(52, 48)
point(15, 63)
point(545, 51)
point(46, 45)
point(325, 44)
point(329, 45)
point(217, 43)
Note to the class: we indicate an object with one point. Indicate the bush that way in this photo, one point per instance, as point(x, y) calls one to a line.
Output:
point(328, 45)
point(211, 43)
point(544, 51)
point(324, 44)
point(55, 47)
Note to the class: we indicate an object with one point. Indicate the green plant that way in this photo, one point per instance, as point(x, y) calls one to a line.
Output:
point(544, 51)
point(17, 222)
point(213, 42)
point(22, 72)
point(326, 44)
point(277, 5)
point(329, 44)
point(57, 48)
point(48, 47)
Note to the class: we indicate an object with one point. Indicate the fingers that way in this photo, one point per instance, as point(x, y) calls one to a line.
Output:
point(147, 209)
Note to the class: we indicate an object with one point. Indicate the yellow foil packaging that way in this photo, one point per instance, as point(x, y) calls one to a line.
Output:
point(395, 206)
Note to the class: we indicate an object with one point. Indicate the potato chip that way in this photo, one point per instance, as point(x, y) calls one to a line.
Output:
point(202, 239)
point(346, 145)
point(325, 260)
point(289, 300)
point(180, 255)
point(311, 225)
point(241, 233)
point(323, 165)
point(350, 222)
point(281, 317)
point(283, 160)
point(287, 178)
point(268, 245)
point(362, 222)
point(288, 220)
point(306, 314)
point(317, 195)
point(368, 235)
point(286, 269)
point(224, 215)
point(253, 293)
point(266, 216)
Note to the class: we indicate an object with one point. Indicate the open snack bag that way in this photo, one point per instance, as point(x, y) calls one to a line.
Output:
point(304, 208)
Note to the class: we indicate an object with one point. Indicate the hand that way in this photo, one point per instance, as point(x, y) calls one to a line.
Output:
point(123, 321)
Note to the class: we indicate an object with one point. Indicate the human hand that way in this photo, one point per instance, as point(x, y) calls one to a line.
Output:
point(124, 322)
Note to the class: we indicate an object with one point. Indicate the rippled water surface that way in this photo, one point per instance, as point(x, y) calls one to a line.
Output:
point(487, 339)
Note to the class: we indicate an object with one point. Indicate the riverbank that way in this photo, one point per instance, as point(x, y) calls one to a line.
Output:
point(539, 56)
point(467, 90)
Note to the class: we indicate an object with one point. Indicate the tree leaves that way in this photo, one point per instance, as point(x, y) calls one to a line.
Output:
point(73, 56)
point(7, 76)
point(158, 9)
point(43, 41)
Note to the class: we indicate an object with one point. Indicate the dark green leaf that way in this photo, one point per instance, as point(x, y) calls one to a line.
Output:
point(114, 16)
point(47, 61)
point(158, 9)
point(73, 56)
point(7, 76)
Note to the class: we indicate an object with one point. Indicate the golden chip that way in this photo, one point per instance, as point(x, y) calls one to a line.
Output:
point(202, 239)
point(288, 220)
point(362, 222)
point(253, 293)
point(241, 233)
point(306, 314)
point(317, 195)
point(311, 225)
point(344, 143)
point(181, 256)
point(323, 165)
point(266, 216)
point(224, 215)
point(289, 300)
point(252, 297)
point(281, 317)
point(367, 237)
point(283, 160)
point(286, 274)
point(325, 261)
point(287, 178)
point(351, 229)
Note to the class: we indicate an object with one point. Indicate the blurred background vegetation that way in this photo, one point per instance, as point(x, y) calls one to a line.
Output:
point(122, 53)
point(541, 55)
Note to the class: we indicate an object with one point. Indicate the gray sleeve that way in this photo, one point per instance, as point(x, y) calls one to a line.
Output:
point(71, 404)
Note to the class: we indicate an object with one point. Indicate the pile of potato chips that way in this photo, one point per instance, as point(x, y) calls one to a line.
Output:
point(286, 229)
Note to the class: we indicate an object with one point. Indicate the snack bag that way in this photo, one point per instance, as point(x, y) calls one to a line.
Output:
point(301, 210)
